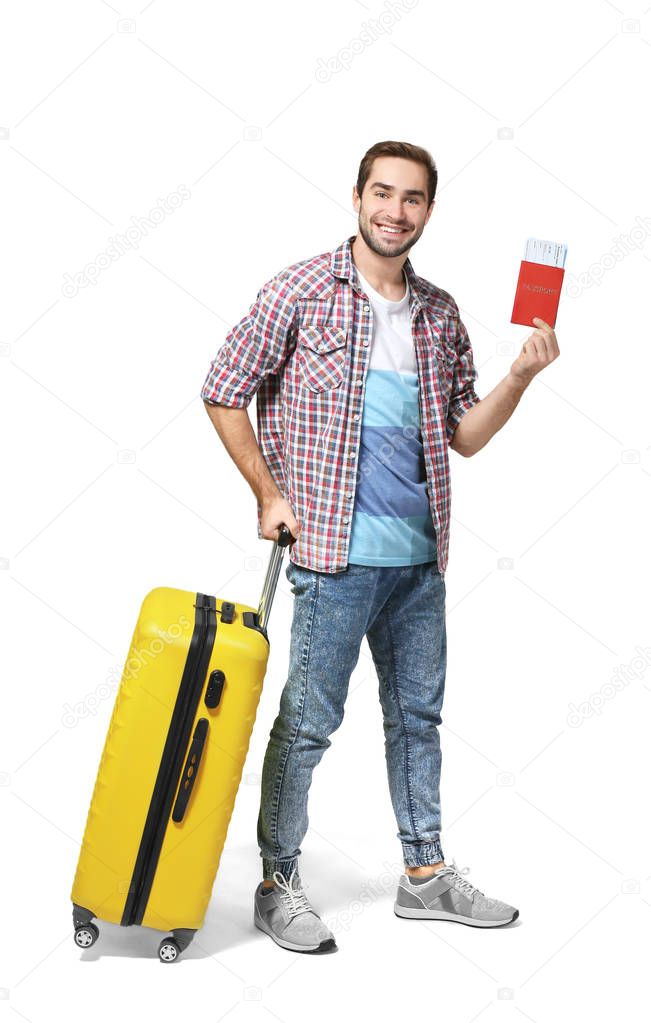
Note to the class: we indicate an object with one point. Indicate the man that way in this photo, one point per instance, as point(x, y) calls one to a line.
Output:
point(364, 374)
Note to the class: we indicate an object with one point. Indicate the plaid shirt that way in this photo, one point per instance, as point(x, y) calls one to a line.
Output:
point(303, 348)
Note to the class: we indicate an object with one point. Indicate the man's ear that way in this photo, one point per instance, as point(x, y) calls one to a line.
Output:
point(356, 198)
point(430, 210)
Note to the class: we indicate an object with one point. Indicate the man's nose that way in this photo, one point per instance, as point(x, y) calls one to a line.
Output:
point(396, 212)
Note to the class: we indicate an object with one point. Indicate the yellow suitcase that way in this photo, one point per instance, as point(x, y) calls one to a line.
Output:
point(172, 763)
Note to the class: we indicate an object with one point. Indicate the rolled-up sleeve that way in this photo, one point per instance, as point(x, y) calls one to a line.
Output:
point(463, 396)
point(254, 348)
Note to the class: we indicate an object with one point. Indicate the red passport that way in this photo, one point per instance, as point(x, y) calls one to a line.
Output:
point(537, 293)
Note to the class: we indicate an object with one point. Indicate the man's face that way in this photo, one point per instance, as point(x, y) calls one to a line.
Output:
point(394, 196)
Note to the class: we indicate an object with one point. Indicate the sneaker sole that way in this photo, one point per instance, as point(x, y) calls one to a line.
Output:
point(439, 914)
point(327, 945)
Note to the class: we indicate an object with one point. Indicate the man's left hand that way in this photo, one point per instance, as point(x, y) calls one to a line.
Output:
point(540, 348)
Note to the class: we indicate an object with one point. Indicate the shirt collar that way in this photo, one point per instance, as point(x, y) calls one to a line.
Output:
point(342, 265)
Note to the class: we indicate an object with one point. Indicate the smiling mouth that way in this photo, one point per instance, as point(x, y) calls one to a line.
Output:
point(390, 231)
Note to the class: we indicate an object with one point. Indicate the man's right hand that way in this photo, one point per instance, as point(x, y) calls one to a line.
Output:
point(275, 512)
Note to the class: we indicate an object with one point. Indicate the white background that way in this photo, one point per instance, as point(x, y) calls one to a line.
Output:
point(117, 482)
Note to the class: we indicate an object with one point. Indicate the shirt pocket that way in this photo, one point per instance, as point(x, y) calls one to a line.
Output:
point(321, 356)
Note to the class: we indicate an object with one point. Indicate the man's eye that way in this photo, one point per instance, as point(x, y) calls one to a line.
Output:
point(415, 201)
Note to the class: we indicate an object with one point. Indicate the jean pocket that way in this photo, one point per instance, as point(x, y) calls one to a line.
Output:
point(322, 356)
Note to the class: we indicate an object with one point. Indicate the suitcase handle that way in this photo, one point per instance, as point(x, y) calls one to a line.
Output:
point(190, 770)
point(285, 539)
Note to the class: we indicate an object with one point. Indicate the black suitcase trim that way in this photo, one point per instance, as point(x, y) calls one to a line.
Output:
point(172, 760)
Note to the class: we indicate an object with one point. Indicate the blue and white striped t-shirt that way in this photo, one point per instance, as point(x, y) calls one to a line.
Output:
point(392, 522)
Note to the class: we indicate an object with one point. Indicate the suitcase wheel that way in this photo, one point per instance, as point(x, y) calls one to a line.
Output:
point(168, 950)
point(86, 935)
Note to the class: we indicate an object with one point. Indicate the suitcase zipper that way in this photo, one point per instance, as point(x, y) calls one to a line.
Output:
point(171, 765)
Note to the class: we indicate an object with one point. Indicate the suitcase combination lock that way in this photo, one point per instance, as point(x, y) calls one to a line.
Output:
point(215, 688)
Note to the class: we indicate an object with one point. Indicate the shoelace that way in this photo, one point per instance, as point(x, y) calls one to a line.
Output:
point(454, 873)
point(294, 899)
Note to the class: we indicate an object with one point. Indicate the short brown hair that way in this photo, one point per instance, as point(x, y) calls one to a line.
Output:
point(405, 150)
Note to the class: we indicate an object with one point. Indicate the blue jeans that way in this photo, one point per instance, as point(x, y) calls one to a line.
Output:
point(401, 610)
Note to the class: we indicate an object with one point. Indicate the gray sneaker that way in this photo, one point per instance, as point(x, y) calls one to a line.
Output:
point(284, 913)
point(448, 896)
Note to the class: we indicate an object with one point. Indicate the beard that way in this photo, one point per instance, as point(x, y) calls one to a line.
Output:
point(385, 246)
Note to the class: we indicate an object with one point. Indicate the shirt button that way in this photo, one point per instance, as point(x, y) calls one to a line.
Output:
point(359, 382)
point(352, 454)
point(365, 343)
point(366, 308)
point(349, 496)
point(346, 522)
point(356, 416)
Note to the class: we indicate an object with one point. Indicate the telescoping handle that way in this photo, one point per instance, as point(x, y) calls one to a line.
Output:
point(273, 571)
